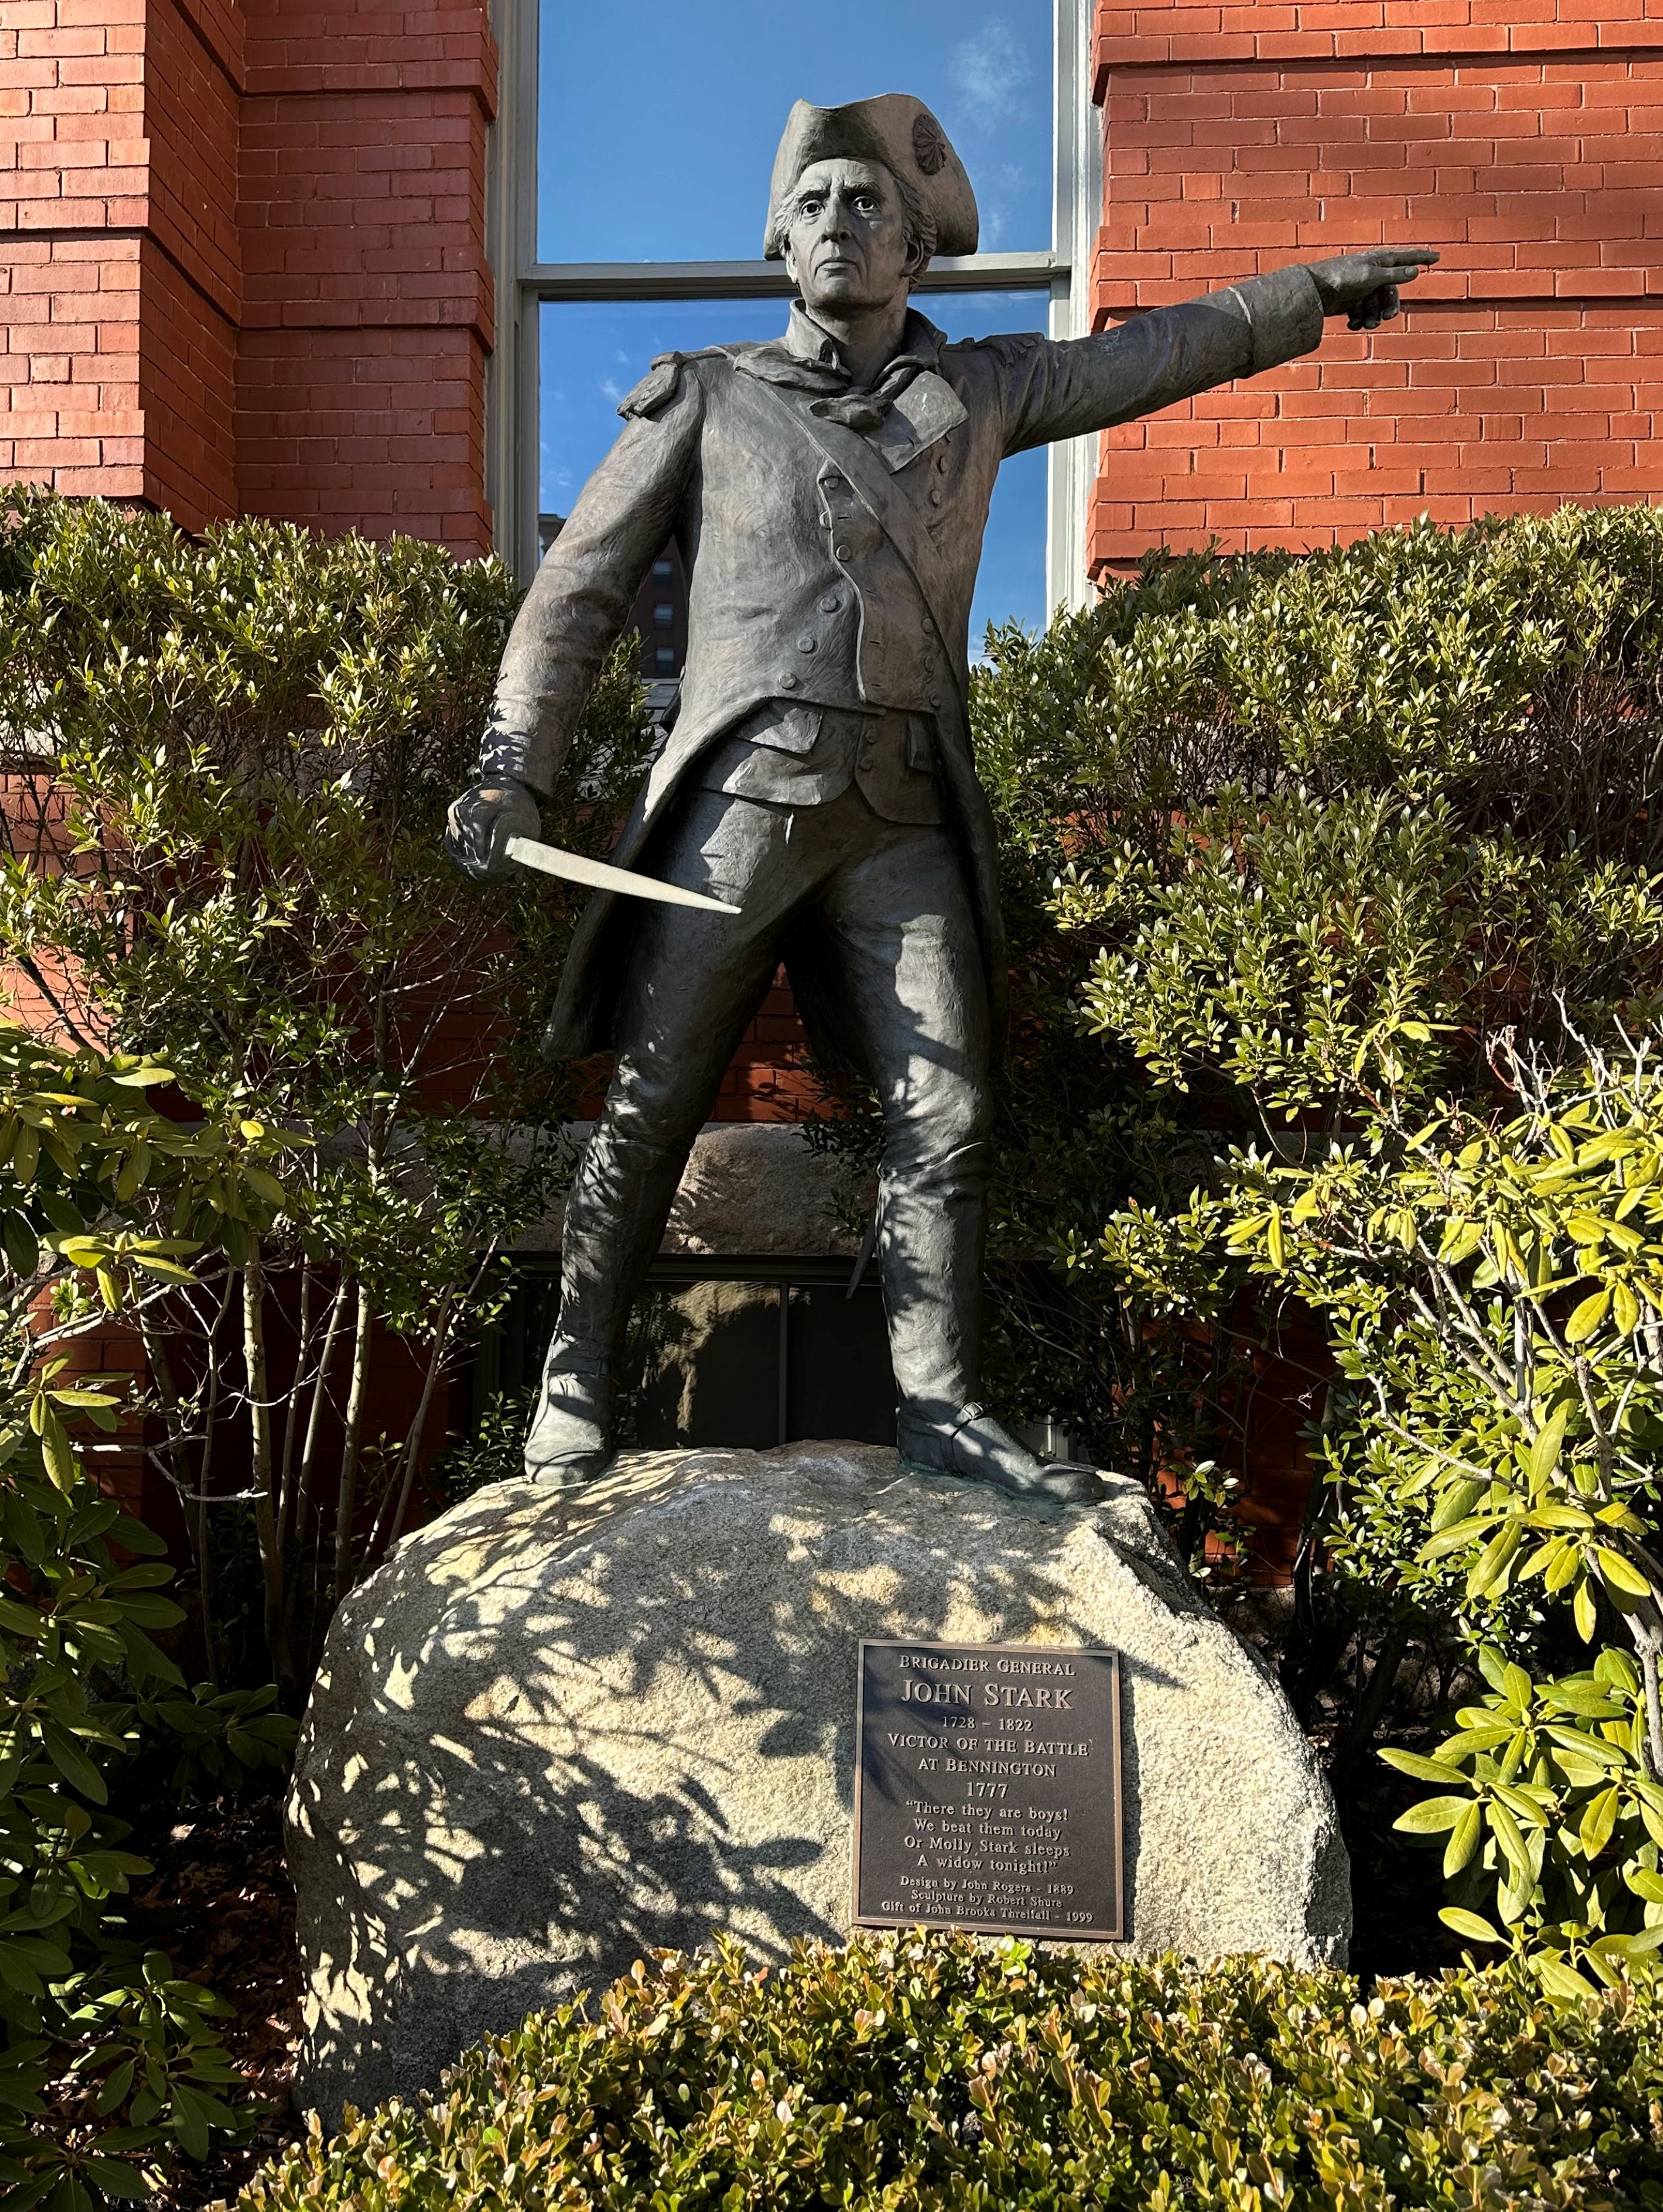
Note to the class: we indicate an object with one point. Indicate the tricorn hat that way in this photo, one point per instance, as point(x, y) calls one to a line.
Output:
point(895, 130)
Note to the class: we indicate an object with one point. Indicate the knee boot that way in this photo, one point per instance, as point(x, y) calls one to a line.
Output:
point(933, 1237)
point(619, 1201)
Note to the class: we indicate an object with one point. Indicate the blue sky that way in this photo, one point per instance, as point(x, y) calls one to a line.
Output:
point(658, 125)
point(657, 145)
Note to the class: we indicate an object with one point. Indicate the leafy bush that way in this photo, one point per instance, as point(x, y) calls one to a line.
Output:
point(1296, 832)
point(1335, 887)
point(923, 2073)
point(243, 749)
point(1284, 829)
point(127, 2049)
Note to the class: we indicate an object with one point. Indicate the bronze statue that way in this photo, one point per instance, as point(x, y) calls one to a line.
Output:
point(829, 491)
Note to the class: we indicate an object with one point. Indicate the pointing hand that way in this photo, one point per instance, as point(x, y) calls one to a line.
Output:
point(1363, 287)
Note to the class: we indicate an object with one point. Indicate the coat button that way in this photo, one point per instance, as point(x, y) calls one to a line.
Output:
point(831, 483)
point(935, 496)
point(829, 604)
point(807, 644)
point(940, 462)
point(789, 681)
point(841, 552)
point(934, 698)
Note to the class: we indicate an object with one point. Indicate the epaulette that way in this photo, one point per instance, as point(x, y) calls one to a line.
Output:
point(661, 383)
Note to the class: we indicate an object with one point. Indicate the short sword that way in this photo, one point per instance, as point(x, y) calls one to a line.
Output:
point(552, 861)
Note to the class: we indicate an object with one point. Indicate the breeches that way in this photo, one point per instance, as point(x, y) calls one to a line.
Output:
point(882, 910)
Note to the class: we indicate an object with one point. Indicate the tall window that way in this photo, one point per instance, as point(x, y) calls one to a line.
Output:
point(631, 181)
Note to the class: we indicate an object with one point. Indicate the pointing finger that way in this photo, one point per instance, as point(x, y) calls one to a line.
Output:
point(1402, 264)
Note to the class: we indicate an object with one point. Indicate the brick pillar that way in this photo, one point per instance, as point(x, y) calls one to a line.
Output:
point(368, 308)
point(118, 168)
point(246, 268)
point(1518, 136)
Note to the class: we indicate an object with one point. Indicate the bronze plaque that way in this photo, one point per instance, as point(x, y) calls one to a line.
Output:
point(987, 1788)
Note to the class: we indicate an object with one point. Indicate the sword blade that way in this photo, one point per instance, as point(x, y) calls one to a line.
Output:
point(551, 860)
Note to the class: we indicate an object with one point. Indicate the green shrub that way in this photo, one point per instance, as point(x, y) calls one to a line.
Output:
point(109, 2063)
point(922, 2072)
point(249, 742)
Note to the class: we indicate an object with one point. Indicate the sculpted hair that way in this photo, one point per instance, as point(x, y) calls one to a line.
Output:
point(918, 222)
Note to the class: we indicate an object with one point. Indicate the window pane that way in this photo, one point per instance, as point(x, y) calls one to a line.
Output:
point(1011, 582)
point(657, 134)
point(593, 350)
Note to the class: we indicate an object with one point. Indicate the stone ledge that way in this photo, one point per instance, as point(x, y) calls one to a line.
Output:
point(753, 1190)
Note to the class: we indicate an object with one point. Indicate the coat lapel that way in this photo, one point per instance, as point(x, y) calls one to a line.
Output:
point(888, 503)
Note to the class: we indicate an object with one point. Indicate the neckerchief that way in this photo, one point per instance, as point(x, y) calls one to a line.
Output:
point(809, 358)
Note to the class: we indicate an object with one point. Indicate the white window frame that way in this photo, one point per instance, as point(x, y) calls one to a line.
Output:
point(513, 441)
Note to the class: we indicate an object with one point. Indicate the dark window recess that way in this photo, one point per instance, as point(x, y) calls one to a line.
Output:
point(741, 1354)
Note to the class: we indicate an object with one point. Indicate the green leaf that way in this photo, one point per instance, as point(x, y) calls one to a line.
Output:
point(21, 1245)
point(116, 2178)
point(55, 1448)
point(1433, 1815)
point(1489, 1570)
point(1587, 1317)
point(112, 2090)
point(1560, 1980)
point(1586, 1699)
point(1639, 1945)
point(1464, 1840)
point(189, 2120)
point(1598, 1822)
point(1472, 1924)
point(1457, 1538)
point(1423, 1769)
point(1584, 1611)
point(1544, 1455)
point(1621, 1574)
point(1507, 1834)
point(77, 1769)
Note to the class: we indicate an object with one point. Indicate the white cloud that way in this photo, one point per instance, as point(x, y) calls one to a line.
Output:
point(989, 71)
point(1000, 190)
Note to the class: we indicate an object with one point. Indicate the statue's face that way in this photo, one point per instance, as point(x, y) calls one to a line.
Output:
point(845, 242)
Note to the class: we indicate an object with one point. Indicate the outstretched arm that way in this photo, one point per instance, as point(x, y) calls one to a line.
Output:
point(1064, 388)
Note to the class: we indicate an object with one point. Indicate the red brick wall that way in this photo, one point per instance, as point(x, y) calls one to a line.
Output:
point(73, 195)
point(368, 308)
point(1518, 136)
point(246, 265)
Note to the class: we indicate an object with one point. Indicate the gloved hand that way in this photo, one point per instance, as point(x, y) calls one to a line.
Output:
point(480, 824)
point(1363, 287)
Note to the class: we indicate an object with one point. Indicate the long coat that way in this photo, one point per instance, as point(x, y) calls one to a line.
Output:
point(831, 543)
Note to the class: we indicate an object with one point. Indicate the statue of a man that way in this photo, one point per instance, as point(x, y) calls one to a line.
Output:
point(829, 491)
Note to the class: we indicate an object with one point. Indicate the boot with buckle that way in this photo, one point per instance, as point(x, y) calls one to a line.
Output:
point(975, 1446)
point(570, 1439)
